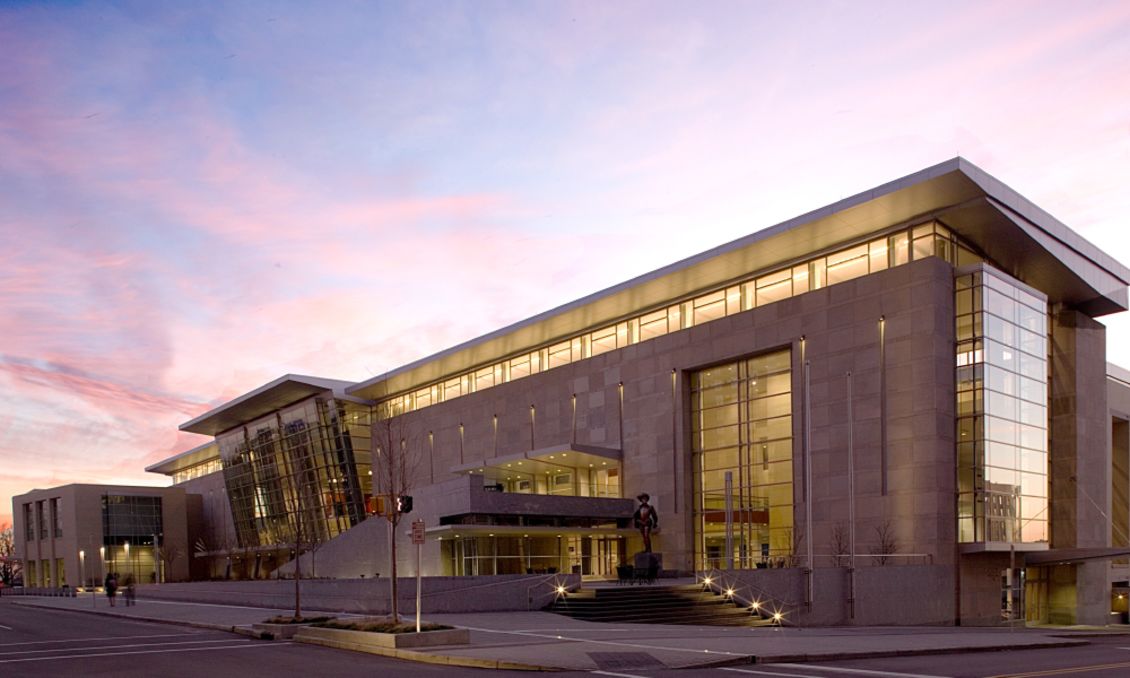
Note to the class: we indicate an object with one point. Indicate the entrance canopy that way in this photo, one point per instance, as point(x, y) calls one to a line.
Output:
point(1064, 556)
point(553, 459)
point(458, 531)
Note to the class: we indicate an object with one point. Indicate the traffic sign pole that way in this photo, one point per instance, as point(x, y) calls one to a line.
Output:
point(418, 540)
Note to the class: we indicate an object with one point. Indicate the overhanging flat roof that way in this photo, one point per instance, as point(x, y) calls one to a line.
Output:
point(1017, 235)
point(186, 459)
point(281, 392)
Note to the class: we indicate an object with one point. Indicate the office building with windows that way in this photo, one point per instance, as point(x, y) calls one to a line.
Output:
point(910, 383)
point(74, 535)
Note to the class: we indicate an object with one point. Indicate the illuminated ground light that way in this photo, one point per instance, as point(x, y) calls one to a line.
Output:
point(777, 617)
point(729, 593)
point(756, 605)
point(560, 590)
point(707, 581)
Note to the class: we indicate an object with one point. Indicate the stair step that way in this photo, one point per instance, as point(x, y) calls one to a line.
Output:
point(683, 604)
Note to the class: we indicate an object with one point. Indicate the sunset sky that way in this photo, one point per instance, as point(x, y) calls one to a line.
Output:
point(197, 200)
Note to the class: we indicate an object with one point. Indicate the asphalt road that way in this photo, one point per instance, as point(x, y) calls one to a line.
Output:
point(1105, 657)
point(41, 643)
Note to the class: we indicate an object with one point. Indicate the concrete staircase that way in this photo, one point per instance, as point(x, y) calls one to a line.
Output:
point(685, 604)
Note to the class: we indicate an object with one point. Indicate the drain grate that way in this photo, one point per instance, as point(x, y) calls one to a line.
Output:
point(625, 660)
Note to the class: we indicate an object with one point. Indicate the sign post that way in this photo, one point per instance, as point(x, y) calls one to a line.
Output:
point(418, 540)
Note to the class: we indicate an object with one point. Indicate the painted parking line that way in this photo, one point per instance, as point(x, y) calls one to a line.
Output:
point(6, 628)
point(114, 647)
point(90, 640)
point(859, 672)
point(758, 672)
point(122, 654)
point(619, 675)
point(1069, 669)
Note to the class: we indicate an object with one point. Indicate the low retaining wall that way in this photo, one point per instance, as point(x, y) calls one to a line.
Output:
point(911, 595)
point(371, 596)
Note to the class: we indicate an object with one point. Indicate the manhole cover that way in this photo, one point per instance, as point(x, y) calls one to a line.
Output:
point(625, 660)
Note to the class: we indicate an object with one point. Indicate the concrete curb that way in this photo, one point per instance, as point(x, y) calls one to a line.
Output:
point(426, 657)
point(882, 654)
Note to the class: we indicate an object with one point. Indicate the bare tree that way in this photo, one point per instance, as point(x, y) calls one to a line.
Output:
point(841, 546)
point(169, 554)
point(9, 566)
point(791, 540)
point(394, 465)
point(886, 543)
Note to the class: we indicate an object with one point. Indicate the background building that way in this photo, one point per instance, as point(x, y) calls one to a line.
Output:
point(73, 535)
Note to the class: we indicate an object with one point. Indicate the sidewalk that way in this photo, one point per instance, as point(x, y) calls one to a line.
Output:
point(540, 640)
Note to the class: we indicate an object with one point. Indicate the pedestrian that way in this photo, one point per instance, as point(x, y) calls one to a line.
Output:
point(129, 591)
point(111, 585)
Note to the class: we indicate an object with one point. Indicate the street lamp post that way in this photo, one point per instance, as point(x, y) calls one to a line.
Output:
point(102, 569)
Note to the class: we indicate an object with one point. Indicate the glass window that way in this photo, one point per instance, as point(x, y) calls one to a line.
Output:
point(899, 248)
point(800, 279)
point(817, 274)
point(709, 307)
point(653, 325)
point(878, 252)
point(603, 341)
point(847, 264)
point(774, 287)
point(484, 378)
point(560, 354)
point(734, 300)
point(738, 436)
point(1009, 422)
point(520, 366)
point(452, 388)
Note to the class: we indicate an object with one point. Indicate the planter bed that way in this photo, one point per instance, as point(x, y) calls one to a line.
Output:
point(285, 630)
point(368, 641)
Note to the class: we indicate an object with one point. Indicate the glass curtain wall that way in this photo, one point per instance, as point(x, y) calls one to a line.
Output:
point(131, 525)
point(296, 473)
point(1002, 409)
point(742, 426)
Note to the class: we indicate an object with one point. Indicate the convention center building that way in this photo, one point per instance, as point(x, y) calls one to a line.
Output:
point(900, 396)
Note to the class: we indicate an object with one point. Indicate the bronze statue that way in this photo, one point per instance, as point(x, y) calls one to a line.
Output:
point(645, 519)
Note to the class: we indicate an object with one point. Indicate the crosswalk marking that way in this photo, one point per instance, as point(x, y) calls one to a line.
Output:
point(861, 672)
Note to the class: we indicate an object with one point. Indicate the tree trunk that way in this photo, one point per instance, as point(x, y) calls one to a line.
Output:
point(394, 612)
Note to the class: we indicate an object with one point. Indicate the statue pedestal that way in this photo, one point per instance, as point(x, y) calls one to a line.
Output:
point(644, 560)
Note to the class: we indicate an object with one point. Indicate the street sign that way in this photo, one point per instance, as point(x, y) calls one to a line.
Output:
point(417, 532)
